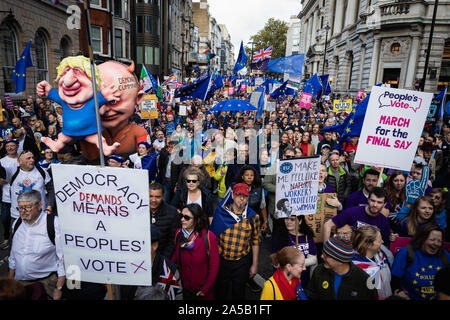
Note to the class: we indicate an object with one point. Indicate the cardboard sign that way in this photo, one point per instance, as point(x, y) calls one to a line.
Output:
point(324, 213)
point(297, 186)
point(148, 107)
point(392, 127)
point(105, 223)
point(305, 100)
point(342, 105)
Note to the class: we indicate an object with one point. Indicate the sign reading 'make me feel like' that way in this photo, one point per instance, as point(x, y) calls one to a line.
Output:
point(392, 127)
point(105, 223)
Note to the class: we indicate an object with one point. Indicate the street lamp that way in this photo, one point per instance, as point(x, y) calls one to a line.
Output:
point(327, 27)
point(251, 58)
point(430, 39)
point(182, 57)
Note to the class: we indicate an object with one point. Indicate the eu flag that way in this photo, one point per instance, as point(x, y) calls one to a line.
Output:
point(290, 64)
point(217, 83)
point(19, 74)
point(260, 103)
point(282, 91)
point(242, 59)
point(313, 85)
point(324, 80)
point(196, 89)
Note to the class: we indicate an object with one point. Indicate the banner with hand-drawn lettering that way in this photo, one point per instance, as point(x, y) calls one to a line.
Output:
point(324, 213)
point(105, 223)
point(297, 186)
point(392, 127)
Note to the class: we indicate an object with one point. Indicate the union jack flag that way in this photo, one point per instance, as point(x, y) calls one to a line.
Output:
point(262, 54)
point(169, 282)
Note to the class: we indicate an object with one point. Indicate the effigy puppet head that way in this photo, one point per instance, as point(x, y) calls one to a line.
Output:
point(75, 81)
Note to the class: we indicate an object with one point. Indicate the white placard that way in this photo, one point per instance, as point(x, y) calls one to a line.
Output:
point(297, 186)
point(392, 127)
point(270, 106)
point(183, 110)
point(105, 223)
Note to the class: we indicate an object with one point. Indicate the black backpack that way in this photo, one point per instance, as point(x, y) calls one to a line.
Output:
point(50, 227)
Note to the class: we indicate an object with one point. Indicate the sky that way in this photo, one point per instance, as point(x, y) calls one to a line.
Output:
point(244, 18)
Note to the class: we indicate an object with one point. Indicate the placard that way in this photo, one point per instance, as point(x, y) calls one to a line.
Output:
point(148, 107)
point(230, 91)
point(1, 111)
point(392, 127)
point(342, 105)
point(324, 213)
point(270, 106)
point(9, 103)
point(360, 95)
point(105, 223)
point(254, 98)
point(401, 242)
point(297, 186)
point(305, 100)
point(182, 110)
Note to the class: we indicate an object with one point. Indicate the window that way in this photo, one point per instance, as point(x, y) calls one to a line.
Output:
point(148, 28)
point(118, 8)
point(41, 56)
point(118, 43)
point(96, 38)
point(148, 55)
point(96, 3)
point(125, 9)
point(157, 56)
point(139, 59)
point(65, 48)
point(9, 52)
point(127, 45)
point(139, 25)
point(395, 48)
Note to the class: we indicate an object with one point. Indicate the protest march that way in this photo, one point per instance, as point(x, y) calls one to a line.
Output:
point(214, 186)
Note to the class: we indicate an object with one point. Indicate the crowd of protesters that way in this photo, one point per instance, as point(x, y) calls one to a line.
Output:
point(207, 169)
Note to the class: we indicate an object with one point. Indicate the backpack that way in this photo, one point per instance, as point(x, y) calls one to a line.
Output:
point(50, 227)
point(410, 257)
point(14, 176)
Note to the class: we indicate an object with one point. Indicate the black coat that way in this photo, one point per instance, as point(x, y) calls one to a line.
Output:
point(180, 199)
point(167, 221)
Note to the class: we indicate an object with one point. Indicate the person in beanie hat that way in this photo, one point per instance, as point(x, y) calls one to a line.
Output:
point(337, 278)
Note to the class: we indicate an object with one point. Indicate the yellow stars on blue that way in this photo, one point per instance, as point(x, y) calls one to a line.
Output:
point(438, 268)
point(430, 267)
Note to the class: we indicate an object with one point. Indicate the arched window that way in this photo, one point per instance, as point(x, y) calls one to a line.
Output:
point(9, 53)
point(40, 44)
point(65, 47)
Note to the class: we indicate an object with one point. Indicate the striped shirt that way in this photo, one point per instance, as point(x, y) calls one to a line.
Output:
point(237, 241)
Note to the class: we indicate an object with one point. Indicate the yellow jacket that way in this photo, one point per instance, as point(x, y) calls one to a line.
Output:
point(221, 179)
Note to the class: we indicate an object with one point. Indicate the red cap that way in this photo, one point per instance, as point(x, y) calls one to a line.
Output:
point(241, 188)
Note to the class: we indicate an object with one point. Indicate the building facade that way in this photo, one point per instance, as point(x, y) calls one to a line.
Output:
point(47, 26)
point(368, 42)
point(293, 36)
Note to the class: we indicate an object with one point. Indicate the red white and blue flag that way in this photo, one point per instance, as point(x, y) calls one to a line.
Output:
point(169, 282)
point(263, 54)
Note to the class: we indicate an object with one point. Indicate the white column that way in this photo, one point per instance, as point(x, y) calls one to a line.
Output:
point(309, 34)
point(350, 15)
point(338, 11)
point(314, 28)
point(375, 62)
point(412, 64)
point(362, 57)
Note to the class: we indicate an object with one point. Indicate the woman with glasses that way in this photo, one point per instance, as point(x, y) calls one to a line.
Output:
point(192, 192)
point(303, 240)
point(374, 258)
point(196, 254)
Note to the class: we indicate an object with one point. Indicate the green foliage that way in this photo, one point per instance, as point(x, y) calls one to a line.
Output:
point(273, 34)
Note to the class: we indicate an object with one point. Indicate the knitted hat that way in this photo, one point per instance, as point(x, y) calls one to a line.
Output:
point(339, 249)
point(117, 158)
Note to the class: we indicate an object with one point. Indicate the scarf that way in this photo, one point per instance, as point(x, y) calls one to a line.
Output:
point(288, 290)
point(188, 240)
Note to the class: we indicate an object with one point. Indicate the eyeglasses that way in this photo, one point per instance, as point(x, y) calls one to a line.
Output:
point(185, 217)
point(191, 181)
point(26, 208)
point(289, 157)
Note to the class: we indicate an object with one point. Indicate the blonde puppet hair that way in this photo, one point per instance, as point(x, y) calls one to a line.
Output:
point(80, 62)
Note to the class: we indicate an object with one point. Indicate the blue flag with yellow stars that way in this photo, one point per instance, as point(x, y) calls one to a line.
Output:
point(282, 91)
point(290, 64)
point(326, 89)
point(196, 89)
point(217, 83)
point(19, 74)
point(313, 85)
point(242, 59)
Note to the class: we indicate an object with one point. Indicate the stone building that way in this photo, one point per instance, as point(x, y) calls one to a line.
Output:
point(47, 26)
point(369, 42)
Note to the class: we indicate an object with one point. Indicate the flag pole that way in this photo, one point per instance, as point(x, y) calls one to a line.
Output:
point(109, 287)
point(94, 84)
